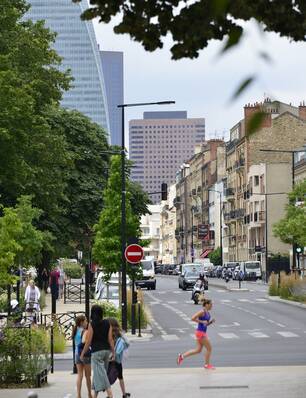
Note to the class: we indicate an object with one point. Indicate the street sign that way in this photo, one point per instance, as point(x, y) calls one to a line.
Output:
point(203, 231)
point(133, 254)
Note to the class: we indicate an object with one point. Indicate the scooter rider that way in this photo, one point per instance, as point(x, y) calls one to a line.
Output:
point(202, 279)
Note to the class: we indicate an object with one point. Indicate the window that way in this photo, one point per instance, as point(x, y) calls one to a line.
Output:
point(256, 181)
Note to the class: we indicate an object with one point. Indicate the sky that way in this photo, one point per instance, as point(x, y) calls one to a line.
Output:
point(204, 86)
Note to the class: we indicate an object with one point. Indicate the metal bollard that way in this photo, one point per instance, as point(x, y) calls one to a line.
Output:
point(52, 348)
point(139, 319)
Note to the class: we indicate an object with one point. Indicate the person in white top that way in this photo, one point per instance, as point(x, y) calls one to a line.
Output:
point(32, 296)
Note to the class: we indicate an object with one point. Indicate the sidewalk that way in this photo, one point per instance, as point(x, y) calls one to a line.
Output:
point(256, 382)
point(230, 285)
point(288, 302)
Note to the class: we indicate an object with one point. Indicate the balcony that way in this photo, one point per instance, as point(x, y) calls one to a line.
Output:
point(259, 216)
point(239, 164)
point(239, 213)
point(230, 193)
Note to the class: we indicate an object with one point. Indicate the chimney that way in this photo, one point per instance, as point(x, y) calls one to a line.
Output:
point(250, 110)
point(302, 110)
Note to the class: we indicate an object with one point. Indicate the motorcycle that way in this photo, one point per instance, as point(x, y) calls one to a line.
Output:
point(198, 292)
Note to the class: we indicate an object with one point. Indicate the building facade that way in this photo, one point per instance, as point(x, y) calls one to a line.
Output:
point(255, 195)
point(76, 44)
point(112, 63)
point(300, 165)
point(150, 229)
point(159, 143)
point(195, 180)
point(168, 227)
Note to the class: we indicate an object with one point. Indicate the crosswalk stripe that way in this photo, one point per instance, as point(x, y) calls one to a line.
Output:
point(172, 302)
point(261, 300)
point(245, 300)
point(228, 335)
point(226, 301)
point(287, 334)
point(170, 337)
point(258, 335)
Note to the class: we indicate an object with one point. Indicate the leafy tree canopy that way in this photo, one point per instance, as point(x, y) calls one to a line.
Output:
point(107, 245)
point(193, 24)
point(85, 178)
point(20, 241)
point(292, 228)
point(30, 81)
point(215, 256)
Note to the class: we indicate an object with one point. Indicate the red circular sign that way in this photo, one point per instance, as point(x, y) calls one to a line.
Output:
point(133, 254)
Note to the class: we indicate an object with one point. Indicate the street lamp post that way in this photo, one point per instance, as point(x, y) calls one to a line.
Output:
point(221, 230)
point(292, 152)
point(123, 209)
point(192, 246)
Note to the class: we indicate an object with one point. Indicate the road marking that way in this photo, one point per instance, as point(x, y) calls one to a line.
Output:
point(226, 301)
point(287, 334)
point(220, 290)
point(170, 337)
point(228, 335)
point(263, 317)
point(262, 300)
point(258, 335)
point(245, 300)
point(229, 326)
point(281, 325)
point(172, 302)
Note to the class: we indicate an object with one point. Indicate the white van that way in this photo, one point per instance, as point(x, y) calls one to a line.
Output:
point(251, 268)
point(148, 271)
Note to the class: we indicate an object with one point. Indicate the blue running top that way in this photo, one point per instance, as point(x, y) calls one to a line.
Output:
point(206, 317)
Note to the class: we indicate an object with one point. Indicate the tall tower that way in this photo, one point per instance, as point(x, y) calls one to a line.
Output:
point(76, 44)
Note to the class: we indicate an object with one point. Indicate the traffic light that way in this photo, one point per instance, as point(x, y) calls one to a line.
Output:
point(164, 191)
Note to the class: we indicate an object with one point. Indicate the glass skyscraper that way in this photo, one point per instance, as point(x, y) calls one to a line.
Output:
point(112, 63)
point(76, 44)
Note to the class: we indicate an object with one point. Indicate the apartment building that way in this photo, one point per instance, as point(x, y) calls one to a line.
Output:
point(167, 227)
point(150, 229)
point(159, 144)
point(195, 232)
point(253, 178)
point(300, 165)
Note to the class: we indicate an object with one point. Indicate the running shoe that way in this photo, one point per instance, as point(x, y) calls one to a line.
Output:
point(209, 366)
point(180, 359)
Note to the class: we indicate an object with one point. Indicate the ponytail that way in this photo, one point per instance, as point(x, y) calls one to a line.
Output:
point(78, 322)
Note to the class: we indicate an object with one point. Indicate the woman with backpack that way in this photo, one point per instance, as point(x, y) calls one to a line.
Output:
point(203, 319)
point(100, 339)
point(121, 345)
point(83, 365)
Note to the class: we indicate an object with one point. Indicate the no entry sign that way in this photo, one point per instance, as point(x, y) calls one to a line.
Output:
point(133, 254)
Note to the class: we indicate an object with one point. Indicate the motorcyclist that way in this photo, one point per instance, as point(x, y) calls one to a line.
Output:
point(202, 279)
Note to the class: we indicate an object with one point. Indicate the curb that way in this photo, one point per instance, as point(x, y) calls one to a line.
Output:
point(287, 302)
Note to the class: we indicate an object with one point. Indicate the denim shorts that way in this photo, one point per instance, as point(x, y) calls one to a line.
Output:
point(86, 360)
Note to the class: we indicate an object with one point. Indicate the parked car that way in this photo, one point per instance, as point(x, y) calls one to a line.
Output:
point(176, 270)
point(158, 269)
point(188, 279)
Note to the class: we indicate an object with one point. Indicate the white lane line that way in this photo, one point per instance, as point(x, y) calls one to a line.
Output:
point(287, 334)
point(258, 335)
point(228, 335)
point(262, 300)
point(245, 300)
point(172, 302)
point(170, 337)
point(225, 301)
point(263, 317)
point(281, 325)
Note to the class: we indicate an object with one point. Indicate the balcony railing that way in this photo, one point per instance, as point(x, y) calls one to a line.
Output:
point(229, 192)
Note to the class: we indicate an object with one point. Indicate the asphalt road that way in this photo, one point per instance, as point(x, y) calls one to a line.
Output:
point(250, 330)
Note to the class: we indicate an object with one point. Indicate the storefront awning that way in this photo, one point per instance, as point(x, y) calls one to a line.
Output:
point(205, 253)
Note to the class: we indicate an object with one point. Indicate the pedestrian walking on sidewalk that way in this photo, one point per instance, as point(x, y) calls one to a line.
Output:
point(121, 345)
point(79, 336)
point(203, 319)
point(100, 339)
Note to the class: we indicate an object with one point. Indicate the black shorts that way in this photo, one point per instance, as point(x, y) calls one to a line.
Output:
point(119, 370)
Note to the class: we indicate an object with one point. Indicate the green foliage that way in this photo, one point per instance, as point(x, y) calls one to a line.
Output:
point(59, 340)
point(292, 228)
point(215, 256)
point(193, 25)
point(30, 348)
point(109, 309)
point(20, 241)
point(107, 245)
point(73, 270)
point(85, 177)
point(30, 81)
